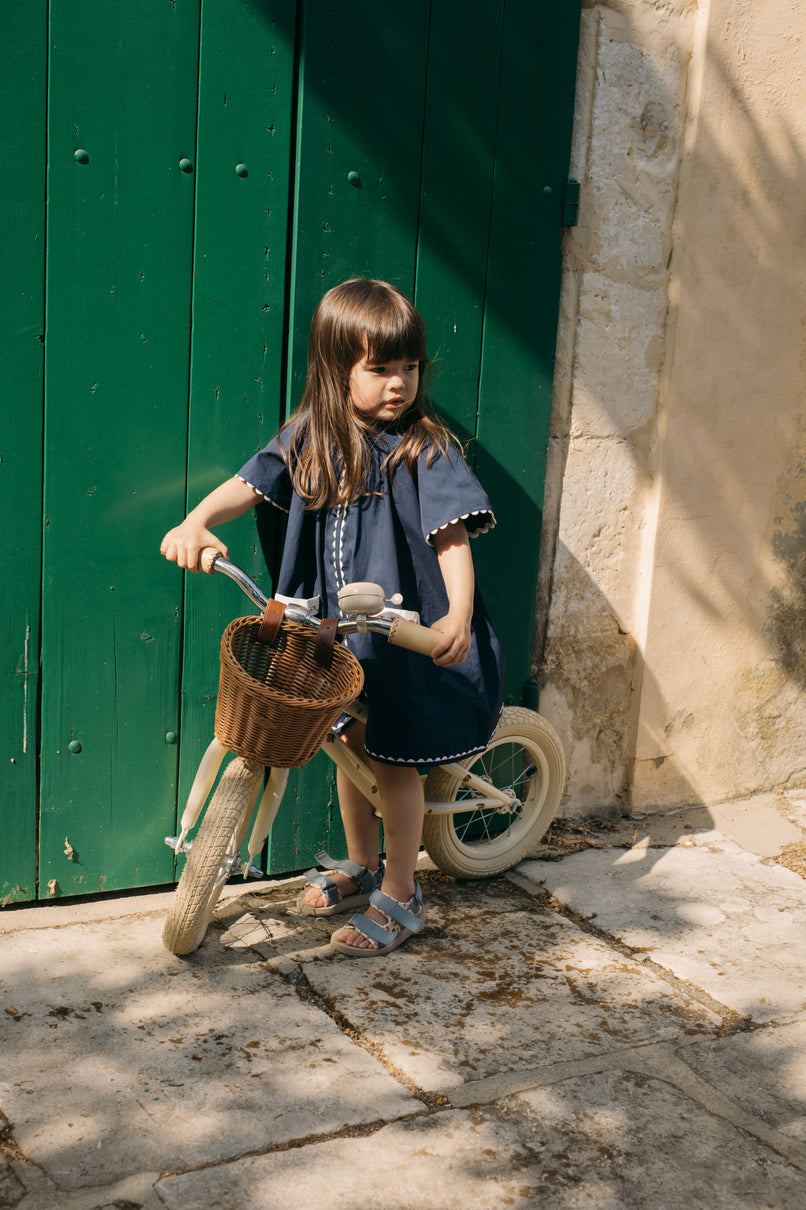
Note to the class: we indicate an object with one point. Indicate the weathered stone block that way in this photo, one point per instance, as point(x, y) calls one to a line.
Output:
point(593, 585)
point(618, 359)
point(586, 694)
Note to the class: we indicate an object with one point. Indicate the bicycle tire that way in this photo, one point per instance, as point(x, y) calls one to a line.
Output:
point(208, 864)
point(525, 756)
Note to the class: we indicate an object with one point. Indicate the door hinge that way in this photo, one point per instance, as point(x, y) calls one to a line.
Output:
point(570, 203)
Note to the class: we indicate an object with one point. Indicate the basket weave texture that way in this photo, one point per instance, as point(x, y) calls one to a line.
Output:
point(276, 703)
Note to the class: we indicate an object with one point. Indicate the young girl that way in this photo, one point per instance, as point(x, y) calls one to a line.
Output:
point(375, 489)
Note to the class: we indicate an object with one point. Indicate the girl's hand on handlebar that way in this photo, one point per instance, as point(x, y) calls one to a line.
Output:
point(183, 544)
point(229, 500)
point(455, 645)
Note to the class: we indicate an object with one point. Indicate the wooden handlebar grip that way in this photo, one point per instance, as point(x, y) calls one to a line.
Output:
point(207, 558)
point(413, 637)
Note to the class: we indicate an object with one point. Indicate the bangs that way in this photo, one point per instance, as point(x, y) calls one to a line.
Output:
point(361, 318)
point(365, 317)
point(394, 336)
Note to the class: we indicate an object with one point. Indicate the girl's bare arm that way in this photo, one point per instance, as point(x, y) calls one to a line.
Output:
point(456, 564)
point(232, 499)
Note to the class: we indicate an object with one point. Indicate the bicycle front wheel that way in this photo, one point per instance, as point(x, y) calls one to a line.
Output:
point(209, 862)
point(525, 759)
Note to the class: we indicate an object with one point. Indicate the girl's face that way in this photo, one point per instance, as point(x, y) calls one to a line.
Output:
point(383, 391)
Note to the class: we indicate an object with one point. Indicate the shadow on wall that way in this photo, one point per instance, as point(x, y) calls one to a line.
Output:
point(737, 481)
point(588, 688)
point(724, 665)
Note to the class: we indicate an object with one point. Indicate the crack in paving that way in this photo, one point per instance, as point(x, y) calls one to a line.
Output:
point(659, 1061)
point(301, 984)
point(9, 1148)
point(732, 1022)
point(355, 1131)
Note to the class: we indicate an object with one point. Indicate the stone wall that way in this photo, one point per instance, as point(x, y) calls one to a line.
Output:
point(672, 602)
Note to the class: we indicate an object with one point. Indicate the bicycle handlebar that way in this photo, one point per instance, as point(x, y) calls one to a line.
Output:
point(398, 631)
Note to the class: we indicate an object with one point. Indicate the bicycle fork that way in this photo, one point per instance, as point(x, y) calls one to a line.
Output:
point(203, 783)
point(485, 795)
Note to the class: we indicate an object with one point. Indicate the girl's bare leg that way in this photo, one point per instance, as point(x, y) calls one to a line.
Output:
point(360, 824)
point(401, 791)
point(403, 809)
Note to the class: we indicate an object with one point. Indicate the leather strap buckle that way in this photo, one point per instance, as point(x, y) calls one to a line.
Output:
point(325, 638)
point(272, 621)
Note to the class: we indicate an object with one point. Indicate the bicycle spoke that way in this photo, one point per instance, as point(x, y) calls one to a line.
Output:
point(505, 767)
point(524, 763)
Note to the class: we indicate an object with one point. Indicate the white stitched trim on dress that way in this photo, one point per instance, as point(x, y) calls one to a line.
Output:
point(333, 547)
point(476, 512)
point(427, 760)
point(342, 527)
point(337, 546)
point(263, 494)
point(440, 760)
point(339, 523)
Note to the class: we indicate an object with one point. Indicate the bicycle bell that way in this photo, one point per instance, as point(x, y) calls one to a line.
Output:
point(358, 599)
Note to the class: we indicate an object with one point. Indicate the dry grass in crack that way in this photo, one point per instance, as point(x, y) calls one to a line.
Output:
point(794, 858)
point(565, 836)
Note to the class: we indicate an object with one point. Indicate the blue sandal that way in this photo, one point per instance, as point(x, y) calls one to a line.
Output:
point(404, 919)
point(335, 899)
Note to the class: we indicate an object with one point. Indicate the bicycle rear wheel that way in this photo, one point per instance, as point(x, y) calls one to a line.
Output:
point(209, 862)
point(524, 758)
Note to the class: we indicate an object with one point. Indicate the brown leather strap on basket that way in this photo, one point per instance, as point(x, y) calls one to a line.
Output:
point(272, 621)
point(325, 638)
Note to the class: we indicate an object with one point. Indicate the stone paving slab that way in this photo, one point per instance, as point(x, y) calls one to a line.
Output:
point(119, 1057)
point(610, 1140)
point(32, 1189)
point(493, 984)
point(511, 1056)
point(715, 916)
point(764, 1071)
point(763, 824)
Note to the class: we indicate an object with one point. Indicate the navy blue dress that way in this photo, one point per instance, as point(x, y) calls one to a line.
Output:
point(420, 714)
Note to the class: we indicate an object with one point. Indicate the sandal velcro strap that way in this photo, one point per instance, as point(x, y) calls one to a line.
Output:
point(359, 874)
point(326, 885)
point(395, 911)
point(401, 915)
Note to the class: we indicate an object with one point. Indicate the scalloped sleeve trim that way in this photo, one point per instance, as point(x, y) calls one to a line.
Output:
point(478, 526)
point(263, 494)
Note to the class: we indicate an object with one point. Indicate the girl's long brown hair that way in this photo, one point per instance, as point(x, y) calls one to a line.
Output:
point(329, 454)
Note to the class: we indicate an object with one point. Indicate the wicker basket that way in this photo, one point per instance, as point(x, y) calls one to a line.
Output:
point(276, 703)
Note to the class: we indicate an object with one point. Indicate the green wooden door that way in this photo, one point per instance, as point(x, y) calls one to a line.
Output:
point(23, 93)
point(214, 166)
point(121, 143)
point(432, 150)
point(246, 105)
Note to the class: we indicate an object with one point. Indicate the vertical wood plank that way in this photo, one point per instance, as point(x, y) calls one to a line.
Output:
point(360, 118)
point(464, 60)
point(246, 103)
point(23, 90)
point(522, 302)
point(122, 118)
point(359, 137)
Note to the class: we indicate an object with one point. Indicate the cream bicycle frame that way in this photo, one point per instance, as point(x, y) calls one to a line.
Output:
point(357, 770)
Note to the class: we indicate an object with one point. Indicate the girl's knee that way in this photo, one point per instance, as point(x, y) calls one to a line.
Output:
point(353, 737)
